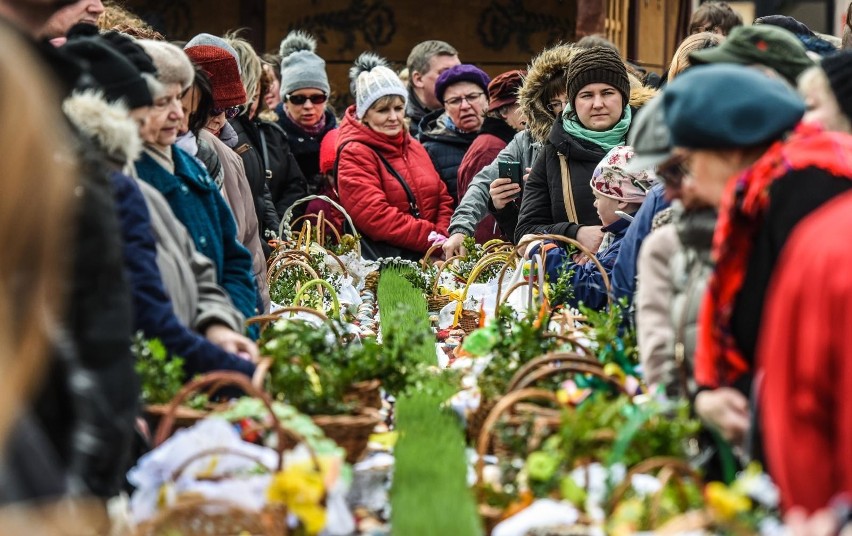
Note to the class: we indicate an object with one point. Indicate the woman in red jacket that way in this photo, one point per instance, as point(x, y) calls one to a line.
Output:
point(378, 161)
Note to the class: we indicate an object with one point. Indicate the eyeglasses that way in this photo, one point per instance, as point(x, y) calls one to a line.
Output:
point(673, 171)
point(299, 100)
point(455, 102)
point(230, 113)
point(555, 104)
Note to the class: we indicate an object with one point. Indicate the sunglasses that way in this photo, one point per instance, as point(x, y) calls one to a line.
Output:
point(299, 100)
point(230, 113)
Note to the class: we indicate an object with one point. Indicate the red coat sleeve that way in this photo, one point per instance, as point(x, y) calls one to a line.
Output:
point(361, 185)
point(805, 354)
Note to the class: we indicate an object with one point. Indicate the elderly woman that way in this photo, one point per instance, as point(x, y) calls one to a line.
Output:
point(385, 179)
point(827, 93)
point(542, 98)
point(503, 120)
point(192, 195)
point(557, 196)
point(304, 94)
point(448, 133)
point(736, 168)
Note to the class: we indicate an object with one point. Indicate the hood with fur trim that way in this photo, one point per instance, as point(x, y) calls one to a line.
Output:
point(108, 125)
point(640, 95)
point(551, 63)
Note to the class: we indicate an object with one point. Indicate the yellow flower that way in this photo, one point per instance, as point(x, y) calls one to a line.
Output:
point(314, 379)
point(300, 488)
point(725, 502)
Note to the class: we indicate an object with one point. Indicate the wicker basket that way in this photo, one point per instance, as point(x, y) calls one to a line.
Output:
point(436, 301)
point(371, 281)
point(468, 321)
point(366, 394)
point(352, 432)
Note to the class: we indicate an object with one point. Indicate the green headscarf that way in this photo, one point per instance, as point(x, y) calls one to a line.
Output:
point(606, 140)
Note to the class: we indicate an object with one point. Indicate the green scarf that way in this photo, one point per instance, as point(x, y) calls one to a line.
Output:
point(606, 140)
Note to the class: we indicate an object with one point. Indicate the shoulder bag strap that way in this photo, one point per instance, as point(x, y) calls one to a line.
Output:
point(567, 191)
point(412, 201)
point(264, 153)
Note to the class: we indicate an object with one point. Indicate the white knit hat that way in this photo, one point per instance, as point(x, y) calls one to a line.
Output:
point(374, 80)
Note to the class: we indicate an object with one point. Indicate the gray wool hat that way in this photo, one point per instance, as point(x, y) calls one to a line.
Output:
point(213, 41)
point(300, 66)
point(649, 137)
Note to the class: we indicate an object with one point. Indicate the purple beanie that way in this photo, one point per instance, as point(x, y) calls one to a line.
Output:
point(464, 72)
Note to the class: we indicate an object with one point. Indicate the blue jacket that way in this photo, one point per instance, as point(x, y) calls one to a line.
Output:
point(624, 270)
point(152, 308)
point(587, 281)
point(195, 199)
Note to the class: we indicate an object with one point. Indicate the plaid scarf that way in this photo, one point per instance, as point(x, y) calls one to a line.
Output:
point(718, 361)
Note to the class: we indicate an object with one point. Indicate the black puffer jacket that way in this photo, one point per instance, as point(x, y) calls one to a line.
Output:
point(305, 148)
point(251, 151)
point(543, 208)
point(287, 184)
point(446, 148)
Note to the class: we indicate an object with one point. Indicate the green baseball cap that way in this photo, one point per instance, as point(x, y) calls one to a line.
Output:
point(767, 45)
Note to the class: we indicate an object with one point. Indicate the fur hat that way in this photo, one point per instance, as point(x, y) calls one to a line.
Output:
point(549, 65)
point(173, 66)
point(613, 179)
point(224, 74)
point(107, 124)
point(373, 80)
point(300, 66)
point(747, 107)
point(463, 72)
point(115, 75)
point(598, 65)
point(837, 69)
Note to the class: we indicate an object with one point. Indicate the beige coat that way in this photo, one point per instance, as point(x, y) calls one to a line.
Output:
point(237, 194)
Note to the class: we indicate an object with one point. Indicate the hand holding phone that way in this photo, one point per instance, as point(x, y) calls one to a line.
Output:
point(510, 170)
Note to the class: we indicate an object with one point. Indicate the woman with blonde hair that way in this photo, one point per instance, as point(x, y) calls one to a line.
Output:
point(698, 41)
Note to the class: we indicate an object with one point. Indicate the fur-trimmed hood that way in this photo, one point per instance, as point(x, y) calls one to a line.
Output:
point(108, 125)
point(640, 95)
point(551, 63)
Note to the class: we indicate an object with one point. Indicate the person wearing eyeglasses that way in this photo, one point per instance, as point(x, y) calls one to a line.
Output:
point(303, 113)
point(192, 195)
point(557, 197)
point(503, 120)
point(448, 133)
point(218, 86)
point(542, 98)
point(384, 176)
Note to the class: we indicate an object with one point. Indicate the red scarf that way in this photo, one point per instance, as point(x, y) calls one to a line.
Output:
point(718, 361)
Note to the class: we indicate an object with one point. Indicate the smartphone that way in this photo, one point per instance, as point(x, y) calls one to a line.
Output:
point(623, 215)
point(512, 170)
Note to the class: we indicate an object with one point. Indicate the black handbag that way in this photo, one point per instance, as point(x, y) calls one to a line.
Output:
point(375, 249)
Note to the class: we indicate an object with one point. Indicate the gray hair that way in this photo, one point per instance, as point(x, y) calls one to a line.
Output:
point(418, 59)
point(250, 66)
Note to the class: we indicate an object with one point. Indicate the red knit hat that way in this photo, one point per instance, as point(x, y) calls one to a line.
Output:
point(328, 151)
point(224, 74)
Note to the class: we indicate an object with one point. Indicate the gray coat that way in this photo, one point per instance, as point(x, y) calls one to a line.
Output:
point(188, 276)
point(474, 206)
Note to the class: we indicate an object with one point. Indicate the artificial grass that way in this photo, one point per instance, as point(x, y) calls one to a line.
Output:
point(429, 494)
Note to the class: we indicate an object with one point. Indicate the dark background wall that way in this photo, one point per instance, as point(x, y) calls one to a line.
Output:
point(497, 35)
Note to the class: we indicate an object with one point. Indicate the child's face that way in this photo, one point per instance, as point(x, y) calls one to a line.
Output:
point(606, 208)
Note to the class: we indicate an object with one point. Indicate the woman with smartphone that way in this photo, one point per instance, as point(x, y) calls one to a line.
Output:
point(385, 178)
point(557, 196)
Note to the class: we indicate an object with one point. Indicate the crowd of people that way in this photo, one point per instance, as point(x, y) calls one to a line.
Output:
point(713, 197)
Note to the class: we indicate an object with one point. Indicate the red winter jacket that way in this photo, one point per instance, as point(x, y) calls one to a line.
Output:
point(375, 199)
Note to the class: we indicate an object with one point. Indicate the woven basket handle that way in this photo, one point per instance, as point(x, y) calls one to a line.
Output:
point(274, 271)
point(425, 261)
point(287, 253)
point(493, 246)
point(573, 368)
point(567, 358)
point(583, 249)
point(441, 270)
point(484, 262)
point(335, 302)
point(222, 378)
point(669, 469)
point(285, 231)
point(503, 405)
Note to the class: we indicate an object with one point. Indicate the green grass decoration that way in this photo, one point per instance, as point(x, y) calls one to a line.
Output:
point(430, 493)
